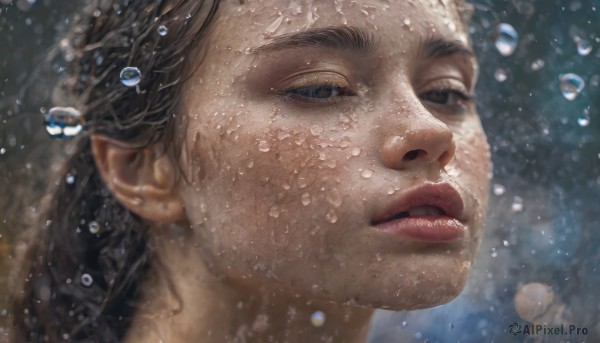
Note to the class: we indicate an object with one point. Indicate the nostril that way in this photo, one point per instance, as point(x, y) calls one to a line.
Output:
point(415, 154)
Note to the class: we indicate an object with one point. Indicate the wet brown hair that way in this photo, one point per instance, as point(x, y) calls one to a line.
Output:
point(51, 301)
point(52, 298)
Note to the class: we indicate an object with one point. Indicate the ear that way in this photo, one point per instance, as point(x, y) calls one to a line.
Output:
point(143, 180)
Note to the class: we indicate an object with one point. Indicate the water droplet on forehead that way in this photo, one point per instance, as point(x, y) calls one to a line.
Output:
point(571, 85)
point(63, 122)
point(162, 30)
point(507, 39)
point(317, 318)
point(130, 76)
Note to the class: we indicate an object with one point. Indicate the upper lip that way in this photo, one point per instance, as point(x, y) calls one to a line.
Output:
point(441, 195)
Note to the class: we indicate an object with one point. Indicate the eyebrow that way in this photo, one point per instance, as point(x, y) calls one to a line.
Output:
point(437, 47)
point(348, 38)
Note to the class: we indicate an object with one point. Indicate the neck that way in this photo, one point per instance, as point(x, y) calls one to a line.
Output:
point(183, 301)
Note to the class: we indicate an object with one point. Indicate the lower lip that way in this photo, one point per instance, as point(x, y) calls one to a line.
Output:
point(425, 228)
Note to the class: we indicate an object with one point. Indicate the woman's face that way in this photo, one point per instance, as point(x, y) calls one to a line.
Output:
point(355, 169)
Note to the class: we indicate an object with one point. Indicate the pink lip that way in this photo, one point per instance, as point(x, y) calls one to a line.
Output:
point(447, 227)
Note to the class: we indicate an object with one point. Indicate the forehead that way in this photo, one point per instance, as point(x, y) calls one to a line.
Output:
point(256, 22)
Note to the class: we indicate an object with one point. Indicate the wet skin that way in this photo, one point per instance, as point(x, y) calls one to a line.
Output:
point(288, 156)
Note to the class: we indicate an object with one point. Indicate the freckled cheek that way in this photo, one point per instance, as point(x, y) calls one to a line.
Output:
point(473, 159)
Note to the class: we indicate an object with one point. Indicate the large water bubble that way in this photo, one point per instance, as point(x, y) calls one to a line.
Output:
point(130, 76)
point(63, 123)
point(507, 39)
point(571, 85)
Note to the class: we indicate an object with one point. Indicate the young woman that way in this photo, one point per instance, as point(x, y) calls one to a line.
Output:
point(256, 171)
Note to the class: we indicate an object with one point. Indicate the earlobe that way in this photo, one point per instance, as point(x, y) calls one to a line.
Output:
point(144, 180)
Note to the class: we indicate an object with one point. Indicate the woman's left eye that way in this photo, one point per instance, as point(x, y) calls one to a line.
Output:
point(446, 97)
point(317, 93)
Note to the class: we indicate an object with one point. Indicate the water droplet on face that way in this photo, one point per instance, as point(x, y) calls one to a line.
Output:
point(94, 227)
point(162, 30)
point(305, 198)
point(86, 280)
point(367, 173)
point(331, 216)
point(316, 130)
point(274, 212)
point(130, 76)
point(334, 198)
point(537, 64)
point(498, 189)
point(263, 146)
point(273, 27)
point(571, 85)
point(584, 118)
point(302, 182)
point(317, 319)
point(493, 252)
point(517, 204)
point(355, 151)
point(63, 123)
point(583, 47)
point(406, 21)
point(500, 75)
point(507, 39)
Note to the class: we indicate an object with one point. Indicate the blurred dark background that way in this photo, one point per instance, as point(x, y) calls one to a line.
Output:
point(543, 236)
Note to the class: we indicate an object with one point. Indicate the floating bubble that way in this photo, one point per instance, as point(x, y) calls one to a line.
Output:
point(162, 30)
point(130, 76)
point(500, 75)
point(583, 47)
point(63, 123)
point(571, 85)
point(517, 204)
point(70, 179)
point(537, 64)
point(507, 39)
point(493, 252)
point(317, 319)
point(94, 227)
point(498, 189)
point(86, 280)
point(584, 118)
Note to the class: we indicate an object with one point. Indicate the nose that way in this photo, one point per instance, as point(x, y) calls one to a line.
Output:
point(423, 143)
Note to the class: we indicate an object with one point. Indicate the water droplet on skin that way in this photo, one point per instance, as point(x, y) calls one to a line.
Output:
point(517, 204)
point(583, 47)
point(331, 163)
point(355, 151)
point(367, 173)
point(316, 130)
point(162, 30)
point(305, 198)
point(274, 212)
point(94, 227)
point(378, 257)
point(250, 164)
point(406, 21)
point(322, 156)
point(493, 252)
point(498, 189)
point(334, 197)
point(86, 280)
point(263, 146)
point(301, 182)
point(130, 76)
point(571, 85)
point(273, 27)
point(331, 216)
point(63, 123)
point(507, 39)
point(584, 118)
point(500, 75)
point(537, 64)
point(317, 319)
